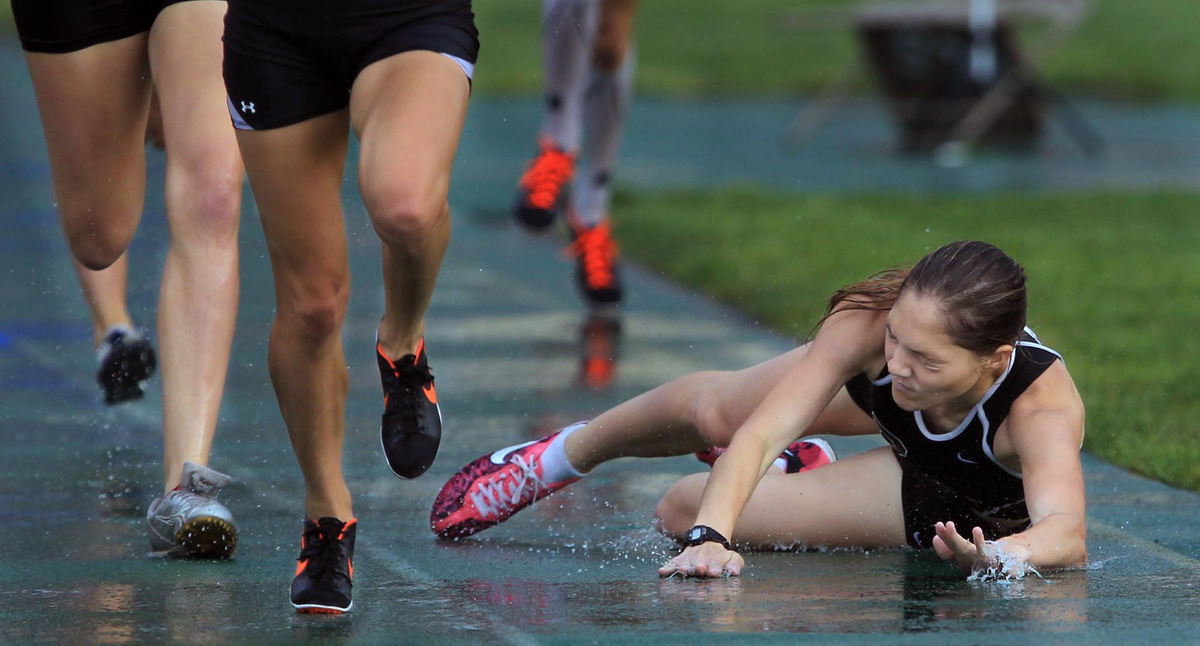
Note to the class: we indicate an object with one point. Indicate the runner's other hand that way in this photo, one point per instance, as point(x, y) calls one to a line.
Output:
point(970, 555)
point(704, 560)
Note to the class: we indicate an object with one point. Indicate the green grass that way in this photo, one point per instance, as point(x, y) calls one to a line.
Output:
point(1144, 49)
point(1113, 279)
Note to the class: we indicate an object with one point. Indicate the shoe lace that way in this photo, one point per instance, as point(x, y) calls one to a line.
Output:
point(509, 488)
point(546, 175)
point(410, 377)
point(323, 551)
point(597, 251)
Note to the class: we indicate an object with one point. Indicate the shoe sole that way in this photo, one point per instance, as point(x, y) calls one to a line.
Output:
point(119, 393)
point(828, 450)
point(602, 308)
point(315, 609)
point(207, 538)
point(534, 220)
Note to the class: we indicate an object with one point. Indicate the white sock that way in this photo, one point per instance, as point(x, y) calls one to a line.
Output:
point(555, 465)
point(568, 27)
point(605, 105)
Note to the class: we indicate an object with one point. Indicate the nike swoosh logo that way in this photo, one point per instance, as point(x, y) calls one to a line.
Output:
point(499, 457)
point(965, 460)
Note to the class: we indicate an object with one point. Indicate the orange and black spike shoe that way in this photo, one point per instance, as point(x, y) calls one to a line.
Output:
point(542, 187)
point(325, 569)
point(411, 428)
point(596, 269)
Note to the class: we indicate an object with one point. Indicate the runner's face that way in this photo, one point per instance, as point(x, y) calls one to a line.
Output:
point(928, 368)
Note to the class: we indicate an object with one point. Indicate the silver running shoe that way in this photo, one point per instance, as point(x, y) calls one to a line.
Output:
point(188, 522)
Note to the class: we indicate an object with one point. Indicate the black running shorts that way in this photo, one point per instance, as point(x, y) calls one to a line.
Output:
point(61, 26)
point(287, 61)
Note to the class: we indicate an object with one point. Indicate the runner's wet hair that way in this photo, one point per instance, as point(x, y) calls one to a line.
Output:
point(980, 289)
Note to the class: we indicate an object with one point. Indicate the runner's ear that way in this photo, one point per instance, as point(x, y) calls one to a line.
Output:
point(999, 358)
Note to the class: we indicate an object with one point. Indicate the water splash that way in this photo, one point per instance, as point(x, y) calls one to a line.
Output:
point(1002, 567)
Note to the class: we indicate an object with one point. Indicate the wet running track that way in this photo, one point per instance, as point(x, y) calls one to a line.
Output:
point(514, 357)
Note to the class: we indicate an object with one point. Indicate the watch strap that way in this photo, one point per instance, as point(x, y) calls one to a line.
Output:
point(700, 534)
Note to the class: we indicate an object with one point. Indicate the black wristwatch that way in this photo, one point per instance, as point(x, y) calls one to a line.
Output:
point(701, 534)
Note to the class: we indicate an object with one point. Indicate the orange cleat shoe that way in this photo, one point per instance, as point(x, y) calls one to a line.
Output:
point(542, 187)
point(596, 270)
point(411, 428)
point(325, 569)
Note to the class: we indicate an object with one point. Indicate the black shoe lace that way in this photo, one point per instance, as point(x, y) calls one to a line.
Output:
point(324, 553)
point(410, 378)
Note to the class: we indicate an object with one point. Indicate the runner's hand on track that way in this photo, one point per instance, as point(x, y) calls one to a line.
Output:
point(704, 560)
point(970, 555)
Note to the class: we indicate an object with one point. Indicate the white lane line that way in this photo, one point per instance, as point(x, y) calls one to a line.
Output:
point(1171, 556)
point(507, 633)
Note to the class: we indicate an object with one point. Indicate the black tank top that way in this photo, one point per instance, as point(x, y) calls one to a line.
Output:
point(961, 459)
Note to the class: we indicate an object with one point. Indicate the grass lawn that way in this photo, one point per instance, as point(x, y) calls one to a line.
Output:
point(1139, 49)
point(1113, 284)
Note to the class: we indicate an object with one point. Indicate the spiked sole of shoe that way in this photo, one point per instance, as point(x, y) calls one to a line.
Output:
point(313, 609)
point(122, 392)
point(207, 538)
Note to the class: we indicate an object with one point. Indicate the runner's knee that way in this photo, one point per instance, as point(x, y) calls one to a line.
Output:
point(403, 211)
point(707, 415)
point(314, 315)
point(207, 205)
point(97, 248)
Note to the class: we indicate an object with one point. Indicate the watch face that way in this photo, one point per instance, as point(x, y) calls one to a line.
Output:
point(694, 534)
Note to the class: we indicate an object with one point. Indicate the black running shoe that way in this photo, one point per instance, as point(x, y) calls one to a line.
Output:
point(325, 569)
point(412, 422)
point(126, 359)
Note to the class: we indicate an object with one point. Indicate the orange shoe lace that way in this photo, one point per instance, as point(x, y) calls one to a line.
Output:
point(546, 175)
point(598, 251)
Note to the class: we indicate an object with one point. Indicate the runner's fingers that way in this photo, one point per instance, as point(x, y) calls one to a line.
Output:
point(733, 567)
point(952, 540)
point(943, 550)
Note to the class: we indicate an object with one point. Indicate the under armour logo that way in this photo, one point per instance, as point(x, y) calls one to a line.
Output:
point(248, 106)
